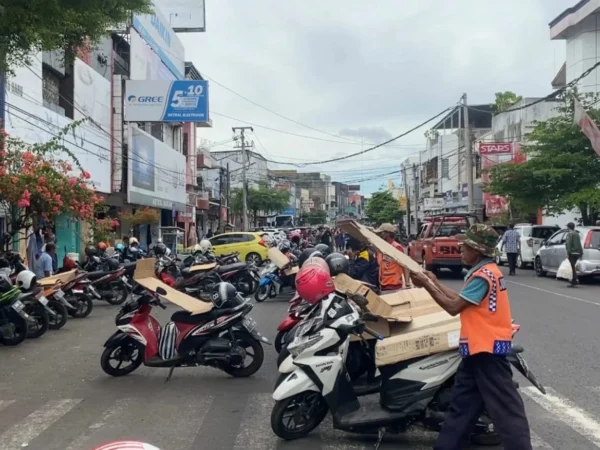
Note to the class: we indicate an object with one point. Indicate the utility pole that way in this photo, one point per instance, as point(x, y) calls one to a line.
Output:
point(242, 145)
point(468, 154)
point(407, 198)
point(228, 196)
point(220, 196)
point(416, 189)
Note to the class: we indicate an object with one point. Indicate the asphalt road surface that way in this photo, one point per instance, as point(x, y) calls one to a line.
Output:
point(54, 395)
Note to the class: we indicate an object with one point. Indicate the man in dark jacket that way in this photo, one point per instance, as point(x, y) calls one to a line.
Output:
point(363, 262)
point(574, 251)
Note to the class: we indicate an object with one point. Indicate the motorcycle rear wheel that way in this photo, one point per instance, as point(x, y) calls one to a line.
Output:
point(84, 305)
point(246, 341)
point(59, 320)
point(19, 333)
point(311, 405)
point(120, 295)
point(40, 315)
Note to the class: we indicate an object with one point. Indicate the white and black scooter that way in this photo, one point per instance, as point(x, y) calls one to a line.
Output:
point(412, 392)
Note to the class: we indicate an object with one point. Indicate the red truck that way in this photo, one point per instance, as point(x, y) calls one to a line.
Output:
point(436, 247)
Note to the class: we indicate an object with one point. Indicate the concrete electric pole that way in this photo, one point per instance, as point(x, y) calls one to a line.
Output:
point(407, 198)
point(244, 184)
point(468, 154)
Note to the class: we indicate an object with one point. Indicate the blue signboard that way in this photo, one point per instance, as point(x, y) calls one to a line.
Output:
point(288, 212)
point(166, 101)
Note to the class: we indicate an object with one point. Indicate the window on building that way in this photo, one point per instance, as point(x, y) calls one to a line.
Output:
point(50, 86)
point(445, 168)
point(156, 130)
point(185, 144)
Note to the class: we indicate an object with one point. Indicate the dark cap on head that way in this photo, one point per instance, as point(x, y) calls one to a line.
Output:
point(571, 226)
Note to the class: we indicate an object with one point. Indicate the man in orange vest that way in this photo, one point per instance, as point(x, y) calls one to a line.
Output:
point(484, 377)
point(390, 272)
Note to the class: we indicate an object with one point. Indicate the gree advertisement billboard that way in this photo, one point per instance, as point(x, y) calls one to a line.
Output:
point(166, 101)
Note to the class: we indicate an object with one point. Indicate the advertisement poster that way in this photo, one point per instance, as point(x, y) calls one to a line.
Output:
point(145, 64)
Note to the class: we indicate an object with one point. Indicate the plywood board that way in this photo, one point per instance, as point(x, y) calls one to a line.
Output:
point(62, 277)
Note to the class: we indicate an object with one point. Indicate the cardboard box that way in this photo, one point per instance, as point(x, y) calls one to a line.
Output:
point(201, 267)
point(425, 335)
point(281, 261)
point(63, 278)
point(144, 275)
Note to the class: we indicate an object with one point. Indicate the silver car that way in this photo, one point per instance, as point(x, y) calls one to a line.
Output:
point(553, 252)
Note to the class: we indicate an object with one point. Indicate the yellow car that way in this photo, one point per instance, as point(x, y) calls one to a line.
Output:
point(250, 246)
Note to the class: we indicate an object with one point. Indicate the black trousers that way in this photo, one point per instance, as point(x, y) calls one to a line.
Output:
point(512, 262)
point(573, 260)
point(484, 381)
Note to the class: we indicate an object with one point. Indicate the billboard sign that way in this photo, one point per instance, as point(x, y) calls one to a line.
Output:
point(495, 148)
point(433, 203)
point(156, 173)
point(288, 212)
point(166, 101)
point(144, 63)
point(354, 187)
point(185, 16)
point(161, 38)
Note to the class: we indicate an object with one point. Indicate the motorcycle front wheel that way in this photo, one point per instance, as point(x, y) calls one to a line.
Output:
point(126, 350)
point(280, 340)
point(296, 416)
point(263, 293)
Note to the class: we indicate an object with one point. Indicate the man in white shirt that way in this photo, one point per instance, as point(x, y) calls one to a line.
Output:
point(43, 265)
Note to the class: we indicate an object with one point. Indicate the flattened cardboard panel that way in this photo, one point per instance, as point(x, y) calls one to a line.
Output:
point(360, 232)
point(277, 257)
point(62, 277)
point(201, 267)
point(180, 299)
point(144, 268)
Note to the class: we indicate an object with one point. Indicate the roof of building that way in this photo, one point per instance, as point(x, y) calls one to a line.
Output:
point(560, 80)
point(192, 72)
point(480, 116)
point(571, 17)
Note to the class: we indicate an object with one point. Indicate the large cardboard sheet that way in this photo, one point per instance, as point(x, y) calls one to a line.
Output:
point(203, 267)
point(144, 275)
point(281, 261)
point(63, 278)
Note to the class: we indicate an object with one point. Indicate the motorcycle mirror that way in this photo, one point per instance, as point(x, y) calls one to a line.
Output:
point(161, 291)
point(370, 317)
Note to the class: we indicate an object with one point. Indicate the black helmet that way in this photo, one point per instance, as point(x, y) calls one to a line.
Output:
point(308, 253)
point(225, 295)
point(160, 249)
point(337, 263)
point(324, 249)
point(91, 250)
point(113, 264)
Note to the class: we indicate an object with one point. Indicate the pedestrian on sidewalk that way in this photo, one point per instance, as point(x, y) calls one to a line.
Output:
point(43, 265)
point(484, 377)
point(511, 240)
point(574, 251)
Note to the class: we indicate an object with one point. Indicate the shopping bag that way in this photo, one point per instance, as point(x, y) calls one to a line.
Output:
point(564, 271)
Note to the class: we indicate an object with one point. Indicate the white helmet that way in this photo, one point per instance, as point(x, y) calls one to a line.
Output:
point(133, 240)
point(205, 245)
point(197, 248)
point(26, 280)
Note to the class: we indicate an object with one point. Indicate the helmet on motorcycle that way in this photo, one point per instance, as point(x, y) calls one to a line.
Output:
point(113, 264)
point(316, 261)
point(306, 254)
point(101, 246)
point(126, 445)
point(120, 247)
point(133, 241)
point(313, 283)
point(324, 249)
point(160, 249)
point(26, 280)
point(224, 295)
point(90, 251)
point(205, 245)
point(285, 246)
point(337, 263)
point(196, 248)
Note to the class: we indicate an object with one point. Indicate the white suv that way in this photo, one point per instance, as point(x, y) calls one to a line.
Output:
point(532, 237)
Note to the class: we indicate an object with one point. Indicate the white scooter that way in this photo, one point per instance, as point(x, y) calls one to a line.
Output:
point(416, 391)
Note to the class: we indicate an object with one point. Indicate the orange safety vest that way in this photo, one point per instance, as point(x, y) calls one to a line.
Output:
point(390, 272)
point(487, 327)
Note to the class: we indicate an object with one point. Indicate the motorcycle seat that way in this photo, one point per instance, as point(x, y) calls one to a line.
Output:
point(232, 267)
point(129, 265)
point(188, 318)
point(99, 274)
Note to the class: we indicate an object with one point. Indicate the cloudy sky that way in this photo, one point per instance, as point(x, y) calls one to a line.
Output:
point(339, 75)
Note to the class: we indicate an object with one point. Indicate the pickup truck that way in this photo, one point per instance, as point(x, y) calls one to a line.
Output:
point(436, 247)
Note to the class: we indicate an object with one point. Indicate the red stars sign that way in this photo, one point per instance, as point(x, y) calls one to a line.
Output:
point(495, 148)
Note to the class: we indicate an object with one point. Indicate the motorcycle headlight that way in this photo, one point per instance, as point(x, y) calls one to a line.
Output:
point(296, 350)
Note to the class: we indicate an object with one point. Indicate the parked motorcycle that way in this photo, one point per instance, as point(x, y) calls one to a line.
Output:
point(13, 318)
point(223, 338)
point(297, 310)
point(272, 281)
point(319, 351)
point(36, 307)
point(77, 296)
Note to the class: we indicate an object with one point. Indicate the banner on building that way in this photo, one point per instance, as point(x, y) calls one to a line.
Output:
point(588, 126)
point(156, 175)
point(433, 203)
point(496, 205)
point(283, 187)
point(144, 64)
point(166, 101)
point(185, 16)
point(495, 148)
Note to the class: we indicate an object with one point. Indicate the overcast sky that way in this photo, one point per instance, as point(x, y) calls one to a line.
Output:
point(347, 71)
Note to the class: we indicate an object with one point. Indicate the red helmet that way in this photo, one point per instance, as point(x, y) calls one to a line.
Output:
point(313, 283)
point(316, 261)
point(101, 246)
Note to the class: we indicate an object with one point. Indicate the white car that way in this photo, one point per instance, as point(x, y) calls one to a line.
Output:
point(532, 237)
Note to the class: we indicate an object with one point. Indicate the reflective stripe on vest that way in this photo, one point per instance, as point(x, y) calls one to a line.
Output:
point(487, 327)
point(390, 273)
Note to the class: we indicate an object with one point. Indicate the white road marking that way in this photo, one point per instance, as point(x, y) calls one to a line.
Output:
point(36, 423)
point(255, 430)
point(554, 293)
point(538, 442)
point(567, 412)
point(5, 404)
point(106, 416)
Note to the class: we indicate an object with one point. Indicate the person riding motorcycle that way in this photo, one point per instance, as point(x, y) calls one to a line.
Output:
point(363, 263)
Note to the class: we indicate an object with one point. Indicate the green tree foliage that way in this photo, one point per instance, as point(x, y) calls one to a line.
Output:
point(43, 25)
point(318, 217)
point(504, 100)
point(561, 172)
point(384, 208)
point(262, 198)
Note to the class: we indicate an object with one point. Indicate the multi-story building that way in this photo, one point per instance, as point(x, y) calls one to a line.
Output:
point(315, 182)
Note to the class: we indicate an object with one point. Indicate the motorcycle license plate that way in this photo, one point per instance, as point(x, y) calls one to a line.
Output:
point(43, 300)
point(59, 294)
point(18, 306)
point(249, 324)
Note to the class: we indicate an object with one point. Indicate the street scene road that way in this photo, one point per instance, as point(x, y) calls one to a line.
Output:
point(54, 396)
